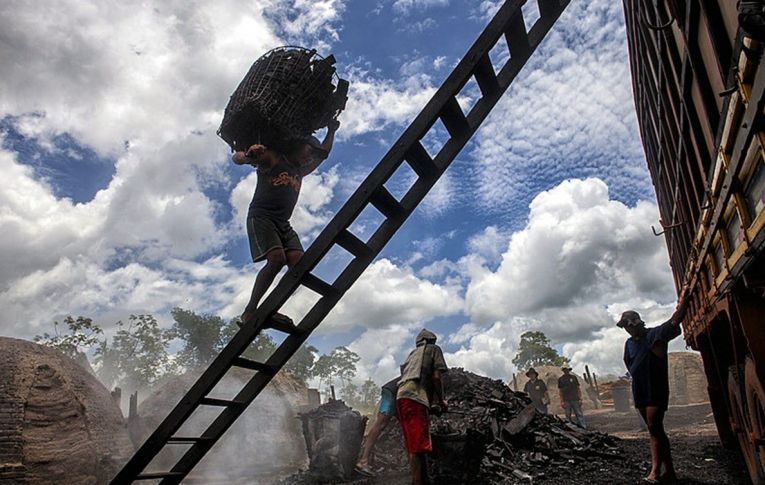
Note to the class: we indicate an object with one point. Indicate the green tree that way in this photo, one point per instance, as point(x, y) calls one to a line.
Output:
point(338, 364)
point(260, 349)
point(351, 395)
point(535, 350)
point(345, 361)
point(203, 337)
point(370, 393)
point(137, 356)
point(301, 363)
point(82, 334)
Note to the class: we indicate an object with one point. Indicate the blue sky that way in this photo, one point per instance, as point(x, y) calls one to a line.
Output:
point(118, 198)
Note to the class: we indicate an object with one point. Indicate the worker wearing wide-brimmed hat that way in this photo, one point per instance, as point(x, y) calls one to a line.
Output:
point(645, 355)
point(537, 391)
point(571, 397)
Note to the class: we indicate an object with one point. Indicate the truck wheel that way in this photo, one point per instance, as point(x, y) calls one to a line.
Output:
point(755, 400)
point(741, 426)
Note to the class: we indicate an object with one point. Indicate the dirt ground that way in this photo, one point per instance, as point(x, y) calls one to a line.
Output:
point(699, 458)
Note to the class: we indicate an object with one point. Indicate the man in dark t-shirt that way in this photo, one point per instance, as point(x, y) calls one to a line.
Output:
point(280, 176)
point(571, 397)
point(537, 391)
point(645, 355)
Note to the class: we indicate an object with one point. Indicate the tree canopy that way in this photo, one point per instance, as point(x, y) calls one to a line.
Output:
point(535, 350)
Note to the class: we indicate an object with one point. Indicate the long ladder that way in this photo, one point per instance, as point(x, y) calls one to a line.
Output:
point(508, 23)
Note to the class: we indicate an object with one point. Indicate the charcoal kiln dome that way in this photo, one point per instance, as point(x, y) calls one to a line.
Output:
point(58, 423)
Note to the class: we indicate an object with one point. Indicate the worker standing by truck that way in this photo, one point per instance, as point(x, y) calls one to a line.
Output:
point(645, 355)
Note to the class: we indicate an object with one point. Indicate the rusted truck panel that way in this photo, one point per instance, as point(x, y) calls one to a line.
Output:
point(699, 88)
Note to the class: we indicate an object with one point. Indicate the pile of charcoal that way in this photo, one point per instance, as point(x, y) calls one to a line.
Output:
point(493, 433)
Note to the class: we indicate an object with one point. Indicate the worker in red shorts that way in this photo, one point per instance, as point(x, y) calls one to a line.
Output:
point(419, 390)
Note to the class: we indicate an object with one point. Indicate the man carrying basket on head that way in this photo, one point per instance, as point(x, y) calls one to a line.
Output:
point(280, 175)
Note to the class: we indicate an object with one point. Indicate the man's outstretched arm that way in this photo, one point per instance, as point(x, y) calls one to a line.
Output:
point(326, 146)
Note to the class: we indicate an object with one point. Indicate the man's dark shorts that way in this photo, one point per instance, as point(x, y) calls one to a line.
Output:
point(266, 234)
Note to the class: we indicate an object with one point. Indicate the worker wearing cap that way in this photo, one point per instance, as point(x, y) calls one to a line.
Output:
point(537, 391)
point(645, 355)
point(571, 397)
point(419, 390)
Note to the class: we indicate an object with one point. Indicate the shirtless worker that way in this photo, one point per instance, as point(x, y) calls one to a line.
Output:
point(271, 237)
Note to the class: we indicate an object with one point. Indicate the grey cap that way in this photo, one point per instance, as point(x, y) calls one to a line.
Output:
point(630, 318)
point(425, 337)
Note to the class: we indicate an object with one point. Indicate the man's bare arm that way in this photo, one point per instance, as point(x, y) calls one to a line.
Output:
point(325, 146)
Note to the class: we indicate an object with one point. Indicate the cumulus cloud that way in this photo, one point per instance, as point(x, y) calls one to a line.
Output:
point(375, 103)
point(580, 261)
point(407, 6)
point(144, 87)
point(578, 246)
point(569, 114)
point(388, 294)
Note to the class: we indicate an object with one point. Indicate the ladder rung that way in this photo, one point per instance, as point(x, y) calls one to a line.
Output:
point(284, 326)
point(185, 439)
point(517, 37)
point(314, 283)
point(485, 76)
point(252, 365)
point(386, 203)
point(454, 119)
point(419, 159)
point(211, 401)
point(346, 240)
point(155, 475)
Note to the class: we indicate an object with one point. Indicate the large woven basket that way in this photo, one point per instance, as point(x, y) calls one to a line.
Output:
point(288, 93)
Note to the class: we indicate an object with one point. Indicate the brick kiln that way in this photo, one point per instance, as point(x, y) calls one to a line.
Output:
point(58, 423)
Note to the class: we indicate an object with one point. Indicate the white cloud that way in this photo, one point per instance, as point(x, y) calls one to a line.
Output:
point(489, 244)
point(387, 294)
point(375, 103)
point(580, 261)
point(145, 86)
point(407, 6)
point(568, 114)
point(577, 247)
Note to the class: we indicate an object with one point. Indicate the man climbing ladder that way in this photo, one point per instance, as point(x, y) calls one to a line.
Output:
point(280, 176)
